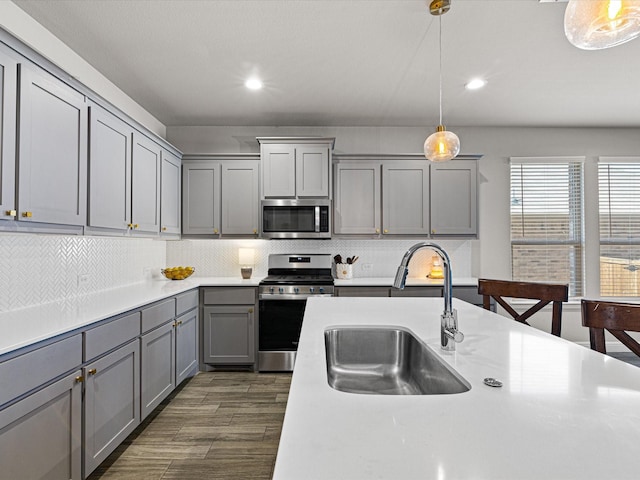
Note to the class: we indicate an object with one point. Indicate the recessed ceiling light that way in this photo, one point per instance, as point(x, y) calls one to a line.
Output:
point(253, 84)
point(475, 84)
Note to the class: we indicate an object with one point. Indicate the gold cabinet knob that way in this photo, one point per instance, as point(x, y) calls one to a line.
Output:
point(377, 230)
point(79, 379)
point(11, 213)
point(215, 230)
point(27, 214)
point(386, 231)
point(130, 225)
point(255, 231)
point(251, 310)
point(164, 229)
point(433, 230)
point(93, 371)
point(135, 225)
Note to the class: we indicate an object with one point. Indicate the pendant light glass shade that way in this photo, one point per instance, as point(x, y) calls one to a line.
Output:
point(442, 145)
point(598, 24)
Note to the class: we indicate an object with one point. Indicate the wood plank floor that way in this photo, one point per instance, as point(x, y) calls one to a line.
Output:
point(219, 425)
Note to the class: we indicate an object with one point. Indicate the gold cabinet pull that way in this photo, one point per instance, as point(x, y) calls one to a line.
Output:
point(93, 371)
point(130, 225)
point(27, 214)
point(180, 322)
point(135, 225)
point(164, 229)
point(215, 230)
point(377, 230)
point(251, 310)
point(386, 231)
point(433, 230)
point(11, 213)
point(79, 379)
point(255, 231)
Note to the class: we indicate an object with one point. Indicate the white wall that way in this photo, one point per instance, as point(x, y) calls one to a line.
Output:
point(491, 253)
point(25, 28)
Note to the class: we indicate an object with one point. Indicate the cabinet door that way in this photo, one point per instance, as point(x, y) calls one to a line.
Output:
point(158, 367)
point(405, 198)
point(109, 170)
point(186, 346)
point(40, 435)
point(201, 198)
point(362, 292)
point(111, 403)
point(8, 92)
point(229, 335)
point(454, 198)
point(240, 198)
point(170, 194)
point(278, 170)
point(52, 178)
point(145, 185)
point(357, 198)
point(312, 171)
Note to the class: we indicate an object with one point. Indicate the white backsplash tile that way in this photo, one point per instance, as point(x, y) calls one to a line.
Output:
point(377, 258)
point(39, 269)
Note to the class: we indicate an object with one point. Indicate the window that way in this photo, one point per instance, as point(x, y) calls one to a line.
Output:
point(619, 207)
point(547, 235)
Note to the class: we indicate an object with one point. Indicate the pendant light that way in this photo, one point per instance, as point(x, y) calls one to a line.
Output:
point(441, 145)
point(598, 24)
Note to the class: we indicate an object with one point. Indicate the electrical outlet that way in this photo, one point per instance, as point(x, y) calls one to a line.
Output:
point(367, 267)
point(83, 279)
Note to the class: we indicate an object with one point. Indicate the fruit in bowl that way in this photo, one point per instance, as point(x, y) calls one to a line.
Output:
point(177, 273)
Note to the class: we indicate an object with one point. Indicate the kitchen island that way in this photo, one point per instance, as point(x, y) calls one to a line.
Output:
point(564, 411)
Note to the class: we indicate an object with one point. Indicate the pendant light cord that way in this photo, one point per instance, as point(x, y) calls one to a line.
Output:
point(440, 72)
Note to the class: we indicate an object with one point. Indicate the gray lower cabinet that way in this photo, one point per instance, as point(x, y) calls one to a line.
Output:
point(362, 291)
point(8, 89)
point(111, 402)
point(158, 362)
point(187, 345)
point(40, 435)
point(52, 170)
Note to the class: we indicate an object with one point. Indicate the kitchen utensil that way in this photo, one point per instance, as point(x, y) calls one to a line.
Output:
point(337, 258)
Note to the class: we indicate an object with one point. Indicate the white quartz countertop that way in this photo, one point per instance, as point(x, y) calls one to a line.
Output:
point(411, 282)
point(564, 412)
point(21, 328)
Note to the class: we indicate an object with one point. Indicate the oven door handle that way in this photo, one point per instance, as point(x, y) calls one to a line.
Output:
point(292, 296)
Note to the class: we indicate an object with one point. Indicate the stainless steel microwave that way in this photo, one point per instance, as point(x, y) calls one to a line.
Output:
point(296, 218)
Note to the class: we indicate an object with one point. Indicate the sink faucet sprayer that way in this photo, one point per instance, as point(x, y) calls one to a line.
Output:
point(449, 334)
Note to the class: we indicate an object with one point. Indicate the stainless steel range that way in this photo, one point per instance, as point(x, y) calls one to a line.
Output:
point(283, 296)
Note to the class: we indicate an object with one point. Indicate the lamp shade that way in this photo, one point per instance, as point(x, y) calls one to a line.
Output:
point(246, 256)
point(598, 24)
point(441, 146)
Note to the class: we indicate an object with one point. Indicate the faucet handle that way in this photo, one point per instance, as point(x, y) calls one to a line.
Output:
point(457, 336)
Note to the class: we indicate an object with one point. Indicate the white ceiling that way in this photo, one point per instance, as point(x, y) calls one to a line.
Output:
point(348, 62)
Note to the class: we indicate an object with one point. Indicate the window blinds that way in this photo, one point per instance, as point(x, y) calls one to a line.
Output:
point(619, 213)
point(546, 221)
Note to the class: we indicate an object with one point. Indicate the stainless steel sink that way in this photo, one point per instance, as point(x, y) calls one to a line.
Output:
point(386, 361)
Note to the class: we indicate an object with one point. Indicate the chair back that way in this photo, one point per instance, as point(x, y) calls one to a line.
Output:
point(618, 318)
point(545, 293)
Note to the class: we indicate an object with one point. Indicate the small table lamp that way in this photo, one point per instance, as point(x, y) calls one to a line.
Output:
point(246, 259)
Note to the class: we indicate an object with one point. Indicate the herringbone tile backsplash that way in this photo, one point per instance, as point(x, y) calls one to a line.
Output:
point(38, 269)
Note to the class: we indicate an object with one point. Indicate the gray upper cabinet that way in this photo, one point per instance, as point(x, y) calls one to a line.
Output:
point(170, 194)
point(52, 139)
point(145, 184)
point(296, 167)
point(201, 198)
point(221, 197)
point(405, 199)
point(454, 198)
point(357, 199)
point(8, 89)
point(240, 198)
point(109, 170)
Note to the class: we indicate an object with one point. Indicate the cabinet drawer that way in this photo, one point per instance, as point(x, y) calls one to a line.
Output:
point(362, 292)
point(106, 337)
point(158, 314)
point(186, 301)
point(417, 292)
point(26, 372)
point(230, 296)
point(468, 294)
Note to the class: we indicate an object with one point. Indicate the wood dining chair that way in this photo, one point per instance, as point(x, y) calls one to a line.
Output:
point(544, 292)
point(615, 317)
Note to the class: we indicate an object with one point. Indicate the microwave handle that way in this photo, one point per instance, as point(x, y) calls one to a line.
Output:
point(317, 211)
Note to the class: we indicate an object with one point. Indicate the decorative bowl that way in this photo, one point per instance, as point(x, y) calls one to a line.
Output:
point(177, 273)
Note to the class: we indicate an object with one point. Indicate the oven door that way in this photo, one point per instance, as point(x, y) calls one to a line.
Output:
point(280, 322)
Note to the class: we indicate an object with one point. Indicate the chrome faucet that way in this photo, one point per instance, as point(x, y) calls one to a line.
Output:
point(449, 334)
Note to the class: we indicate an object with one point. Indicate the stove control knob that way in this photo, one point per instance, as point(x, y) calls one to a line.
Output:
point(296, 290)
point(321, 290)
point(270, 289)
point(311, 289)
